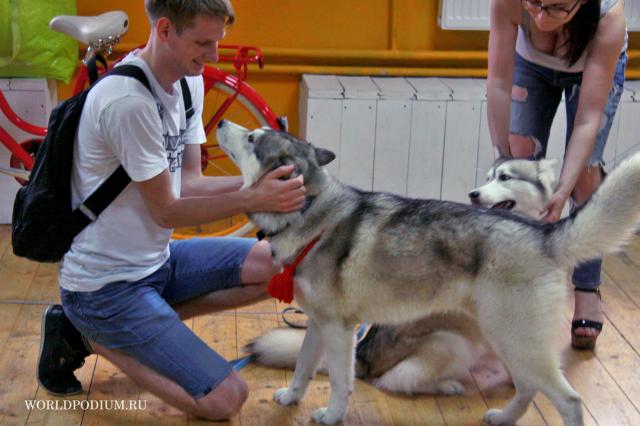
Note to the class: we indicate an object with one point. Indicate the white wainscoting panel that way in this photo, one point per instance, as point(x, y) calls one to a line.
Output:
point(461, 138)
point(428, 118)
point(393, 135)
point(321, 113)
point(357, 147)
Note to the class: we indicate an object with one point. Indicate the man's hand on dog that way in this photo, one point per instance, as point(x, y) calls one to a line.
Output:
point(273, 194)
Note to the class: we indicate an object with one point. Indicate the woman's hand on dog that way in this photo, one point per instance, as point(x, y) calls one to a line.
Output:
point(272, 193)
point(555, 207)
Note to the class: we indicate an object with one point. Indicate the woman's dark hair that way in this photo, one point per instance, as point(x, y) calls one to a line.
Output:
point(581, 29)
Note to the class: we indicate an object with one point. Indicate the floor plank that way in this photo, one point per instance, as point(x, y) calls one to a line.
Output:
point(5, 239)
point(220, 332)
point(45, 288)
point(602, 397)
point(17, 274)
point(18, 365)
point(463, 410)
point(416, 410)
point(260, 409)
point(494, 383)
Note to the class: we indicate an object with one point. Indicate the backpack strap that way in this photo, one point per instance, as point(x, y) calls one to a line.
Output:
point(186, 98)
point(92, 67)
point(97, 202)
point(137, 73)
point(131, 71)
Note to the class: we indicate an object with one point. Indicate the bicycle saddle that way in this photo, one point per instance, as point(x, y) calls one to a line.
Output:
point(92, 30)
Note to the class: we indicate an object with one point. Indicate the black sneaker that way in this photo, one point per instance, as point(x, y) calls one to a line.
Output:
point(61, 353)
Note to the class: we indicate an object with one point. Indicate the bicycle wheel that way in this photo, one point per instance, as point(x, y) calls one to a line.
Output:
point(248, 109)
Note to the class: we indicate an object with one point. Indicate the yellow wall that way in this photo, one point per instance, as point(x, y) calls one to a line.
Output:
point(366, 37)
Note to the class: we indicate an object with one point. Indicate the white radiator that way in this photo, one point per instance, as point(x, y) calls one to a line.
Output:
point(474, 14)
point(424, 137)
point(632, 12)
point(464, 14)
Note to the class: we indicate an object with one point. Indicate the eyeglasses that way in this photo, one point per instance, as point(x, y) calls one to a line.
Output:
point(553, 10)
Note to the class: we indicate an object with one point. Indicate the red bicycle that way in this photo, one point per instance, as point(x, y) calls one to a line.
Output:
point(226, 95)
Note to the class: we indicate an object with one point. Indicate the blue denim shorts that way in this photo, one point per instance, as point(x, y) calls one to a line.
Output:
point(137, 318)
point(533, 116)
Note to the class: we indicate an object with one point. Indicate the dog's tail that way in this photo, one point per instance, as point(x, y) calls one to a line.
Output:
point(606, 221)
point(277, 348)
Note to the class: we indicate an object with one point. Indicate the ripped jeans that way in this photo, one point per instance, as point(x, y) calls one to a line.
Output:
point(535, 99)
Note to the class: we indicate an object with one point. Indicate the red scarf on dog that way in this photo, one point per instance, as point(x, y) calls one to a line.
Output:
point(281, 285)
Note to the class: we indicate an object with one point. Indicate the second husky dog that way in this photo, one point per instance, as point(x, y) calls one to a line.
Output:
point(522, 186)
point(382, 258)
point(432, 354)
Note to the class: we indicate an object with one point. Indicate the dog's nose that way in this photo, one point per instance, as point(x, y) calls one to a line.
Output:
point(473, 195)
point(222, 123)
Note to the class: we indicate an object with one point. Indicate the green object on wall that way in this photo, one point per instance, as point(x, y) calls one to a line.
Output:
point(28, 48)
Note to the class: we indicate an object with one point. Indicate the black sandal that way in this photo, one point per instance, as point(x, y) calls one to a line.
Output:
point(585, 342)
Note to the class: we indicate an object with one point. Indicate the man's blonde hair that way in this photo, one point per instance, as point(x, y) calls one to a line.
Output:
point(183, 12)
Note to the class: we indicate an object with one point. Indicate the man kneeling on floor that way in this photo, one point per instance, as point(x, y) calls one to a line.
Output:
point(125, 287)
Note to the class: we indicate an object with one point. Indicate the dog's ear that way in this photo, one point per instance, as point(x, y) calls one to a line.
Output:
point(548, 171)
point(324, 156)
point(548, 165)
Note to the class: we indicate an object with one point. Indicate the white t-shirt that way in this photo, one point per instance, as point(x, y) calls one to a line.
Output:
point(123, 123)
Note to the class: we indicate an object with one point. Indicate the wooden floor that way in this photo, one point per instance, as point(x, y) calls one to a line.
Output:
point(608, 380)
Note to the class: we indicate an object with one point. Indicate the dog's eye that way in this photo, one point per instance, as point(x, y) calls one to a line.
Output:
point(250, 139)
point(504, 177)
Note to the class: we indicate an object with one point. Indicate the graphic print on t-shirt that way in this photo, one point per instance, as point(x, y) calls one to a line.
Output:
point(174, 145)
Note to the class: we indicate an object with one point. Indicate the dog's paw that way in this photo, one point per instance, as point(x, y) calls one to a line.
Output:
point(325, 417)
point(450, 387)
point(285, 397)
point(496, 417)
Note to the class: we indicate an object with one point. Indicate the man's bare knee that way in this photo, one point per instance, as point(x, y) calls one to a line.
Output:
point(259, 265)
point(225, 401)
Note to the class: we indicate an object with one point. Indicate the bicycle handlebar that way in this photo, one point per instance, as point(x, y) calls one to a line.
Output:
point(241, 54)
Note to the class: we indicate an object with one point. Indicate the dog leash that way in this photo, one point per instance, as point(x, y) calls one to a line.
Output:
point(290, 323)
point(240, 363)
point(361, 331)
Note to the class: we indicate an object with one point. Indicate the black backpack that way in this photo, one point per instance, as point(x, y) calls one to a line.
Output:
point(43, 223)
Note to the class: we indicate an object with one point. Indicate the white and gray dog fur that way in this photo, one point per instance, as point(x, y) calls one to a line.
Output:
point(382, 258)
point(434, 353)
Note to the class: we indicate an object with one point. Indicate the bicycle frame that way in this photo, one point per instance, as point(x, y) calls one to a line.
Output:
point(212, 75)
point(8, 141)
